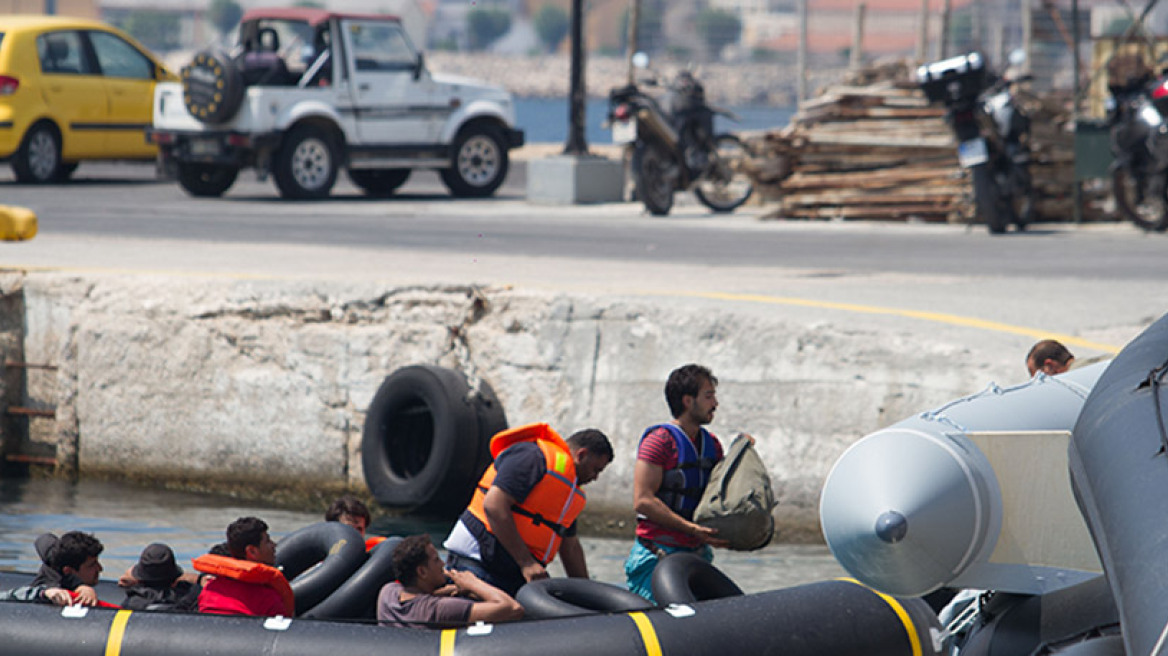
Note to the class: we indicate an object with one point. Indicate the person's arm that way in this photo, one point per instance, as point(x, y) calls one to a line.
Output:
point(495, 605)
point(647, 478)
point(35, 593)
point(572, 557)
point(497, 506)
point(85, 595)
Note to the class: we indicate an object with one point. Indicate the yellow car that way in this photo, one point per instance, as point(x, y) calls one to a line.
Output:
point(72, 89)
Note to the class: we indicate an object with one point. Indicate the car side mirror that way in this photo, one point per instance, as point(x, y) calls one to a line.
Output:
point(419, 66)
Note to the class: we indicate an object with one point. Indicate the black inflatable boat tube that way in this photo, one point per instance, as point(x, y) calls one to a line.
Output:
point(318, 558)
point(1119, 471)
point(841, 618)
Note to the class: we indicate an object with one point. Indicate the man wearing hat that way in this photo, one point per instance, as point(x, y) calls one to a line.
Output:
point(158, 584)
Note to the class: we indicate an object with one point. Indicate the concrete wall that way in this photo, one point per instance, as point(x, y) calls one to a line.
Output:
point(263, 386)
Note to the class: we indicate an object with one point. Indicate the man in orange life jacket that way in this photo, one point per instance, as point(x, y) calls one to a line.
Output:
point(673, 466)
point(525, 506)
point(248, 540)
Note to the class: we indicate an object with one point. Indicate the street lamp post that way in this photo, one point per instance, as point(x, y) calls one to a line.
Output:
point(576, 144)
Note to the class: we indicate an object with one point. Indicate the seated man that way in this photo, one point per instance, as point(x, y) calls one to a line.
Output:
point(248, 583)
point(70, 570)
point(156, 582)
point(420, 598)
point(348, 509)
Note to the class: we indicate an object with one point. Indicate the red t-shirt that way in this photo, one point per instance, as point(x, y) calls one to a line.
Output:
point(659, 448)
point(225, 596)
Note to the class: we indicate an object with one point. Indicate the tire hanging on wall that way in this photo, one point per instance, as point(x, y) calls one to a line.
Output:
point(337, 547)
point(425, 441)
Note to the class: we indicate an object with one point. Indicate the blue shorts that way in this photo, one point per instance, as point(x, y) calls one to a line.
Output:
point(641, 563)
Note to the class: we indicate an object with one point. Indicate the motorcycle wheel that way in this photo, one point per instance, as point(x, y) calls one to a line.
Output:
point(725, 187)
point(651, 166)
point(990, 206)
point(1140, 208)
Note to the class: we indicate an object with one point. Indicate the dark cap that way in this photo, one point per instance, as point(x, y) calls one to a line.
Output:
point(156, 566)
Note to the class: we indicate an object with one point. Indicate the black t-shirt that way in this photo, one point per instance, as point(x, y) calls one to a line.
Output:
point(518, 469)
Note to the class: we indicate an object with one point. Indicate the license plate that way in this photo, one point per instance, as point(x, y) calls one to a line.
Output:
point(972, 152)
point(624, 132)
point(204, 147)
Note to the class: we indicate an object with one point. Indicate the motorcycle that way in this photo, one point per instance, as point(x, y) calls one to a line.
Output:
point(993, 134)
point(1139, 142)
point(675, 148)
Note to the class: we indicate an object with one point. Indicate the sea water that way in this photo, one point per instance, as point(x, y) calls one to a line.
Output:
point(126, 518)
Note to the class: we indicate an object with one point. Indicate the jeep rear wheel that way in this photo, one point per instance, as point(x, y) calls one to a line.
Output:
point(478, 164)
point(206, 180)
point(306, 164)
point(379, 183)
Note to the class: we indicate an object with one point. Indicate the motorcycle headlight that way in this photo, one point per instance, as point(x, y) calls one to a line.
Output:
point(1149, 115)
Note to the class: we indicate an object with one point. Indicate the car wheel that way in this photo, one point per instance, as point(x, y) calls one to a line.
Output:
point(306, 164)
point(379, 183)
point(206, 180)
point(38, 160)
point(478, 165)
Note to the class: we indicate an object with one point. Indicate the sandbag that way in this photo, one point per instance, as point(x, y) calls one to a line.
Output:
point(738, 500)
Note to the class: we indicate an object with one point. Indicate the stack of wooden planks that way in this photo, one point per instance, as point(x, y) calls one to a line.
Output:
point(879, 150)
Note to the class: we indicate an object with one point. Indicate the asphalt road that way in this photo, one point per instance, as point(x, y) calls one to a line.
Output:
point(125, 201)
point(1099, 283)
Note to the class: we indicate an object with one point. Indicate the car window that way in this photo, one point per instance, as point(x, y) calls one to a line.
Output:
point(60, 52)
point(116, 58)
point(380, 46)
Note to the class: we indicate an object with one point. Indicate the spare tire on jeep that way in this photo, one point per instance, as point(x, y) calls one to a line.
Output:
point(212, 87)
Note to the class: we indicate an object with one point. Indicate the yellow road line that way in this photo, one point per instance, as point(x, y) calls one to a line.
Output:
point(937, 317)
point(446, 642)
point(648, 634)
point(913, 639)
point(113, 643)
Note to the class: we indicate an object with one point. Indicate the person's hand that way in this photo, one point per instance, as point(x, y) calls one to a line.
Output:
point(534, 571)
point(127, 579)
point(708, 536)
point(448, 590)
point(59, 597)
point(461, 580)
point(86, 596)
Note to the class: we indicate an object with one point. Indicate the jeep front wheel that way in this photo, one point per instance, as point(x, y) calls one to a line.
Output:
point(206, 180)
point(306, 164)
point(478, 164)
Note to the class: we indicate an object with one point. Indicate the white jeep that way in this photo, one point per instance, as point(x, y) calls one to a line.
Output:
point(307, 92)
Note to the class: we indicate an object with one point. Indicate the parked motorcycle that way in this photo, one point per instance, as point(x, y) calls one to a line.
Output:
point(675, 148)
point(993, 134)
point(1139, 142)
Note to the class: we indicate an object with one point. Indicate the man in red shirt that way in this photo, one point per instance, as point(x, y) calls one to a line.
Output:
point(673, 466)
point(248, 540)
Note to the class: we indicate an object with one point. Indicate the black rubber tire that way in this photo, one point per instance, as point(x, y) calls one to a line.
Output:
point(683, 578)
point(206, 180)
point(426, 439)
point(709, 192)
point(568, 597)
point(379, 183)
point(38, 160)
point(653, 187)
point(478, 163)
point(356, 598)
point(339, 550)
point(993, 212)
point(213, 87)
point(306, 164)
point(1149, 215)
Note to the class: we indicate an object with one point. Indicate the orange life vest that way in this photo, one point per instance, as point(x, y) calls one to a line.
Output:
point(248, 571)
point(373, 541)
point(552, 505)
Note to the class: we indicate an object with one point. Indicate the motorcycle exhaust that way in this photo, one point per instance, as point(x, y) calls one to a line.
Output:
point(657, 127)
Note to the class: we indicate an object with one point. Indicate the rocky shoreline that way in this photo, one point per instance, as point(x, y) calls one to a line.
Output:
point(546, 76)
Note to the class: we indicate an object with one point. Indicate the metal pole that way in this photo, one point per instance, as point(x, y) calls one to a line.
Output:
point(857, 57)
point(1077, 190)
point(1027, 34)
point(801, 56)
point(946, 16)
point(50, 7)
point(576, 144)
point(923, 33)
point(634, 20)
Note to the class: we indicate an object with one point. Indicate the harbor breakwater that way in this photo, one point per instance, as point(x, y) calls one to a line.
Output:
point(260, 388)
